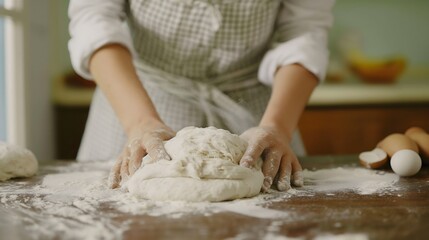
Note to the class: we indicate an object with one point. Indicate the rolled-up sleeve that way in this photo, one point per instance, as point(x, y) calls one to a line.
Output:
point(300, 36)
point(93, 24)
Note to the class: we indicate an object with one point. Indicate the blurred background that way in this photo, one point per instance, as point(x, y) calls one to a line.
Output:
point(377, 81)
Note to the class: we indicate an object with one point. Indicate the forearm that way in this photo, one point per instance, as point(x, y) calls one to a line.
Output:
point(292, 87)
point(113, 70)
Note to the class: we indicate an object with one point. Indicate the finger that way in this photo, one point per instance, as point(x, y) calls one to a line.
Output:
point(114, 176)
point(155, 149)
point(297, 176)
point(133, 147)
point(270, 167)
point(124, 166)
point(251, 155)
point(135, 160)
point(283, 183)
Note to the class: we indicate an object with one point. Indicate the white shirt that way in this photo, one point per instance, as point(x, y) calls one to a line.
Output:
point(304, 26)
point(222, 44)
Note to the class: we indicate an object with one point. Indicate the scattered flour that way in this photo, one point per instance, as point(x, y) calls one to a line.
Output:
point(360, 180)
point(67, 202)
point(347, 236)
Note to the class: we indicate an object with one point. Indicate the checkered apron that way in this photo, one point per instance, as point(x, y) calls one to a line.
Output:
point(198, 61)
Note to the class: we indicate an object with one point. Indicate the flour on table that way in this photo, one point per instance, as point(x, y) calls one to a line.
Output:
point(360, 180)
point(16, 161)
point(346, 236)
point(70, 202)
point(204, 167)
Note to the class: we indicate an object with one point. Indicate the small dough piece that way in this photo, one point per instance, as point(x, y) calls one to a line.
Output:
point(16, 161)
point(204, 167)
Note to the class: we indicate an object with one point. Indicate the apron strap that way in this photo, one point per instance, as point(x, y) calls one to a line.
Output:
point(220, 110)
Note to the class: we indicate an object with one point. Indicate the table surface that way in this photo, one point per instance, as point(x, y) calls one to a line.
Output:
point(403, 214)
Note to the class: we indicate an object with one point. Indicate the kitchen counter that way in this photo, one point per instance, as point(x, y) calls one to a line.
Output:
point(399, 214)
point(67, 96)
point(349, 94)
point(326, 94)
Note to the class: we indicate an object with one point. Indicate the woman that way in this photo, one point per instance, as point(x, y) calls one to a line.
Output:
point(161, 65)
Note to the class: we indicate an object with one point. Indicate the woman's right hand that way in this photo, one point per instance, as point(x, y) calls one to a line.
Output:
point(144, 138)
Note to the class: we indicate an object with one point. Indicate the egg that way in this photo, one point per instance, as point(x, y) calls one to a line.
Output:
point(376, 158)
point(421, 137)
point(395, 142)
point(414, 130)
point(406, 163)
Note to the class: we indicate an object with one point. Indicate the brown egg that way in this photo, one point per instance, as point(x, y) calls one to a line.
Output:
point(421, 137)
point(414, 130)
point(395, 142)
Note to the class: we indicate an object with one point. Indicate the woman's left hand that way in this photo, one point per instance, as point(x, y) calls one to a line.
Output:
point(280, 164)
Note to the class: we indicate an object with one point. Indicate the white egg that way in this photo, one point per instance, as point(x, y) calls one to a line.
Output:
point(406, 163)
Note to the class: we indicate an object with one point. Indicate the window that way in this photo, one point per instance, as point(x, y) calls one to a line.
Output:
point(2, 82)
point(12, 119)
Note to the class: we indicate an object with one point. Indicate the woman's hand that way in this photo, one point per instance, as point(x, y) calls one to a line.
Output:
point(280, 165)
point(292, 87)
point(113, 69)
point(144, 138)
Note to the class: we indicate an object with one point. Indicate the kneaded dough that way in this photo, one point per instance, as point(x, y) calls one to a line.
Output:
point(16, 161)
point(204, 167)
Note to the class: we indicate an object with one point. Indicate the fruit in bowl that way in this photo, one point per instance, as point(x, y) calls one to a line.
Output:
point(371, 70)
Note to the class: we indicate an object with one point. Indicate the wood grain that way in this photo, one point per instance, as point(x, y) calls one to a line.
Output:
point(349, 130)
point(399, 214)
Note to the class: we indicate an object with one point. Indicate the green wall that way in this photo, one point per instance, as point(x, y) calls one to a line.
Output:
point(385, 27)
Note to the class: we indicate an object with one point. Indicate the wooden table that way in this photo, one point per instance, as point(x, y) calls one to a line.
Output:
point(400, 215)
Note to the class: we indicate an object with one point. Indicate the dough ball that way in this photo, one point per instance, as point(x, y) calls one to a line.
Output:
point(204, 167)
point(16, 161)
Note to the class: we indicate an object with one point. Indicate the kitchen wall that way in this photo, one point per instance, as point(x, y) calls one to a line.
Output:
point(46, 58)
point(378, 79)
point(59, 35)
point(39, 135)
point(384, 28)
